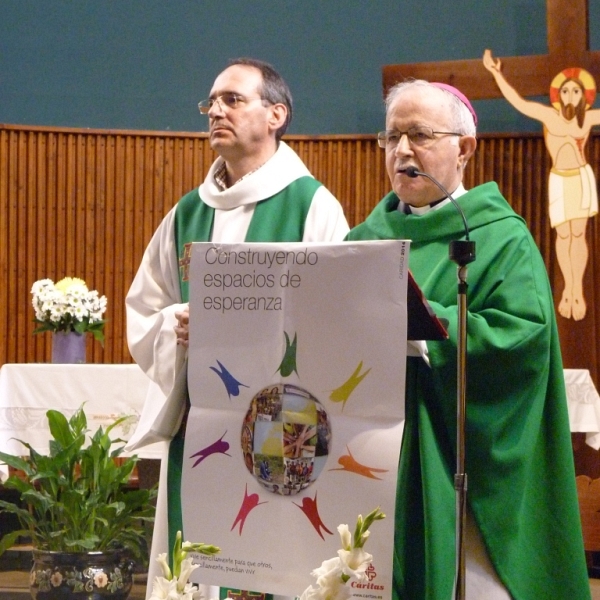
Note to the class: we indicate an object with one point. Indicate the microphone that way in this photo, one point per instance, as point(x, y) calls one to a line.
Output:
point(461, 253)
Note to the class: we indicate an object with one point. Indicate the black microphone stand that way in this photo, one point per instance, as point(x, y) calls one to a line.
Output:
point(462, 252)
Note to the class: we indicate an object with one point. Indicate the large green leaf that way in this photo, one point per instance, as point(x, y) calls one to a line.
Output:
point(16, 462)
point(59, 428)
point(8, 540)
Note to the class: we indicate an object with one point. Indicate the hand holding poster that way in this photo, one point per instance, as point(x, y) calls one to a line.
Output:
point(296, 379)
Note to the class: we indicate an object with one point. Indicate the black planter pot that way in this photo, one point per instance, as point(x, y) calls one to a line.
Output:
point(81, 575)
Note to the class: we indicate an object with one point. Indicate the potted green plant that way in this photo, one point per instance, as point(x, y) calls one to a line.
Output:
point(76, 508)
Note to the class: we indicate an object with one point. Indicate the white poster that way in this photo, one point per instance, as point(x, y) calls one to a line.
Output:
point(296, 377)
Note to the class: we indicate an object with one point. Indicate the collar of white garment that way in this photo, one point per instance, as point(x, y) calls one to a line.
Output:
point(277, 173)
point(421, 210)
point(419, 347)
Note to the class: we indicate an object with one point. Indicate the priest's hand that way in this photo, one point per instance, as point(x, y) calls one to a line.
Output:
point(182, 329)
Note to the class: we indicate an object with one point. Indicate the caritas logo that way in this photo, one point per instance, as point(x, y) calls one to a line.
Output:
point(371, 574)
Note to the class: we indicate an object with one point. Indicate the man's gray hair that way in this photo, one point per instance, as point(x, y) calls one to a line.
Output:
point(462, 119)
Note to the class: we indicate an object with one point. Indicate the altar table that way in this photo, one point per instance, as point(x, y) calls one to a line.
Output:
point(27, 391)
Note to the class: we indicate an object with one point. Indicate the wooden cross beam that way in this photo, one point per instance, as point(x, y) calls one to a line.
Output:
point(568, 46)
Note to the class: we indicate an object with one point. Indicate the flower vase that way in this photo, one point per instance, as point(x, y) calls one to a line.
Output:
point(68, 347)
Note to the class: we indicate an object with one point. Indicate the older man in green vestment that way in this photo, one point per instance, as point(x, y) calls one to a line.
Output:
point(523, 533)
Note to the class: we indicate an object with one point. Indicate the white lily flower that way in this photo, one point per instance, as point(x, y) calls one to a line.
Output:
point(352, 562)
point(187, 568)
point(334, 590)
point(311, 593)
point(163, 589)
point(161, 559)
point(329, 569)
point(345, 536)
point(175, 584)
point(330, 581)
point(189, 592)
point(355, 562)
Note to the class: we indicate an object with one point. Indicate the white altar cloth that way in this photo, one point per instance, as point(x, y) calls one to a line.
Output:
point(27, 391)
point(583, 403)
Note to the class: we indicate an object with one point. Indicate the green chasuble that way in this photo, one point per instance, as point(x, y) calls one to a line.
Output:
point(279, 218)
point(519, 457)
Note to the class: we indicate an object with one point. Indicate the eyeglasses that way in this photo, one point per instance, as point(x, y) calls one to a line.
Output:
point(227, 99)
point(417, 136)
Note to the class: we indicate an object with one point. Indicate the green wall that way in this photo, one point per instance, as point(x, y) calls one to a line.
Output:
point(144, 64)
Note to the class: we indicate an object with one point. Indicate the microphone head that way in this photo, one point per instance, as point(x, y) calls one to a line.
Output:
point(412, 171)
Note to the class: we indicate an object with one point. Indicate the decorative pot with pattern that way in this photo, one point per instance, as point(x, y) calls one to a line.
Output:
point(81, 575)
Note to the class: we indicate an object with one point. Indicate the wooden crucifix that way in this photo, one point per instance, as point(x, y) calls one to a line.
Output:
point(568, 46)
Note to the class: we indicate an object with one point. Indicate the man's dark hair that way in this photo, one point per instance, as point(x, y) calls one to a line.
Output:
point(274, 89)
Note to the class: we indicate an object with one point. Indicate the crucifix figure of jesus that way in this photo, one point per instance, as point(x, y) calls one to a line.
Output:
point(567, 46)
point(572, 189)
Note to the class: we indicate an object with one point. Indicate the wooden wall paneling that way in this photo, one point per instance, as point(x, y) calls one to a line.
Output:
point(25, 239)
point(143, 196)
point(132, 228)
point(85, 203)
point(346, 180)
point(6, 228)
point(16, 226)
point(91, 222)
point(109, 257)
point(158, 173)
point(380, 181)
point(19, 235)
point(539, 190)
point(367, 185)
point(39, 203)
point(123, 249)
point(590, 327)
point(208, 156)
point(184, 166)
point(96, 224)
point(326, 170)
point(15, 146)
point(353, 182)
point(356, 178)
point(593, 238)
point(63, 190)
point(473, 171)
point(360, 177)
point(592, 291)
point(114, 251)
point(76, 236)
point(178, 153)
point(167, 186)
point(129, 231)
point(4, 276)
point(75, 183)
point(130, 225)
point(50, 216)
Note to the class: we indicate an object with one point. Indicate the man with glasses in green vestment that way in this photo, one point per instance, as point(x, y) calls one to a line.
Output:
point(257, 190)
